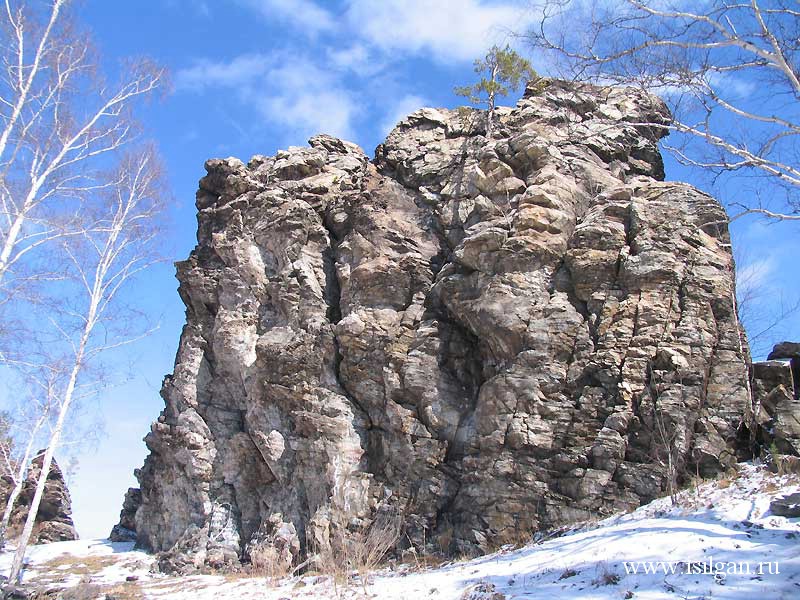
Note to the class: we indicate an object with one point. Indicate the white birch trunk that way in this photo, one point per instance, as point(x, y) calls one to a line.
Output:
point(15, 574)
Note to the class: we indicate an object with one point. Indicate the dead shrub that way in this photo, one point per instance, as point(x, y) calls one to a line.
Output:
point(568, 572)
point(273, 550)
point(358, 548)
point(267, 562)
point(446, 537)
point(605, 576)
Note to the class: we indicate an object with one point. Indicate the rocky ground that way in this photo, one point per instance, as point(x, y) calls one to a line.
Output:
point(715, 525)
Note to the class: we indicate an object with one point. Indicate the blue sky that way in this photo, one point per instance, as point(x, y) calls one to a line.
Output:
point(252, 76)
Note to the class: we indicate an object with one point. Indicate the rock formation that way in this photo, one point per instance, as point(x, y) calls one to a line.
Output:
point(488, 337)
point(54, 519)
point(125, 530)
point(776, 395)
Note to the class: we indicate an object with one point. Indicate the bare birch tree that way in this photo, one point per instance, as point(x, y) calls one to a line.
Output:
point(62, 127)
point(728, 70)
point(58, 119)
point(104, 257)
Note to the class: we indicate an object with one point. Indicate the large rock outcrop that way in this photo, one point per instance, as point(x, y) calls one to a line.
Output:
point(489, 336)
point(54, 519)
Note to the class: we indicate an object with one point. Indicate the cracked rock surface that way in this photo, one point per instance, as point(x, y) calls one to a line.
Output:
point(493, 337)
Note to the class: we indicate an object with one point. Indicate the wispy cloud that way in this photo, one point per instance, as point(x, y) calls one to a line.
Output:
point(242, 71)
point(357, 58)
point(755, 275)
point(291, 92)
point(306, 99)
point(341, 81)
point(457, 30)
point(303, 14)
point(738, 86)
point(452, 31)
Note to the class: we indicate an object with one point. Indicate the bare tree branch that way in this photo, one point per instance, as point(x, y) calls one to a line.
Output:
point(727, 70)
point(56, 119)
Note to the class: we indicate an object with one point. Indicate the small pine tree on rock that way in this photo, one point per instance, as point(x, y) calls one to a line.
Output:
point(501, 70)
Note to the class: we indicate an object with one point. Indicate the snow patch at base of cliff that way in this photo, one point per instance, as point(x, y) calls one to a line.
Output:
point(690, 551)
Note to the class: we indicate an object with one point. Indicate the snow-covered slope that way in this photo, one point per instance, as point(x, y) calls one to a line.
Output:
point(720, 542)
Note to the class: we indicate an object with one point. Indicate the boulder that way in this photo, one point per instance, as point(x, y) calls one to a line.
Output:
point(786, 506)
point(777, 406)
point(125, 530)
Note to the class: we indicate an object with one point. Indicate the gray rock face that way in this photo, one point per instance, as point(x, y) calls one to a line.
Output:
point(54, 519)
point(125, 530)
point(789, 351)
point(492, 337)
point(777, 406)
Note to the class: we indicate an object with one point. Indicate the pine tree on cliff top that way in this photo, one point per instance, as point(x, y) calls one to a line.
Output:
point(501, 70)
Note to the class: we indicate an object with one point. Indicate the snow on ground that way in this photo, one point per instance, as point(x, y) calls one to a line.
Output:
point(68, 563)
point(720, 542)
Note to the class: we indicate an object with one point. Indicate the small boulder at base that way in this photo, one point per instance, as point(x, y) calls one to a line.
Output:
point(787, 506)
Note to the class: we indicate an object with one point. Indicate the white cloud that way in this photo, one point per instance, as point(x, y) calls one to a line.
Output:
point(457, 30)
point(291, 92)
point(329, 90)
point(304, 14)
point(306, 100)
point(401, 109)
point(356, 58)
point(349, 58)
point(241, 71)
point(727, 82)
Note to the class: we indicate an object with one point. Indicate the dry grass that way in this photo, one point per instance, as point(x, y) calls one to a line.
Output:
point(783, 464)
point(267, 562)
point(78, 565)
point(122, 591)
point(423, 561)
point(86, 590)
point(187, 583)
point(446, 537)
point(358, 549)
point(770, 486)
point(129, 590)
point(59, 569)
point(353, 545)
point(567, 573)
point(59, 573)
point(724, 482)
point(243, 575)
point(605, 576)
